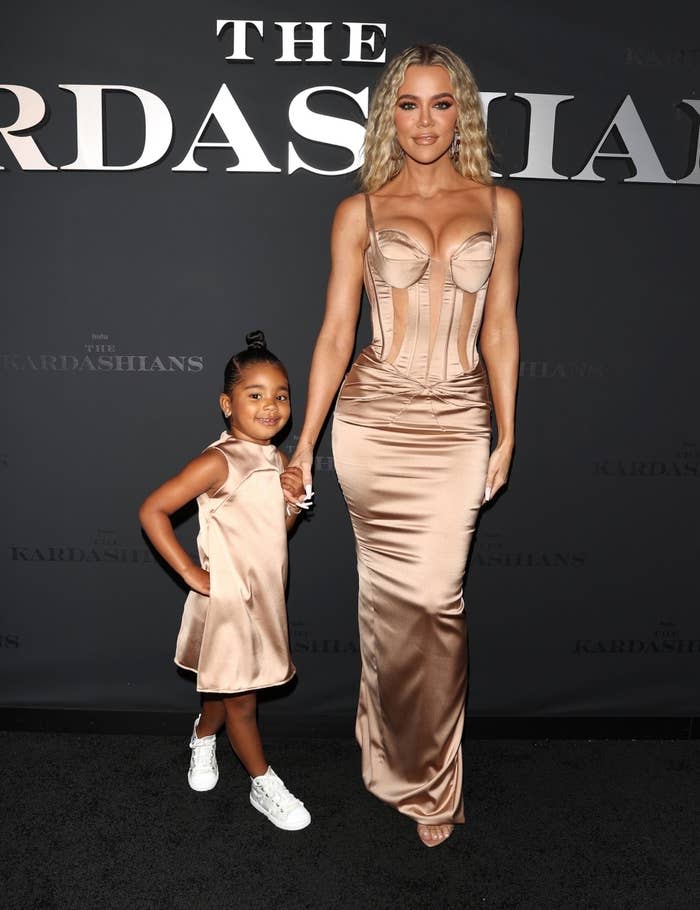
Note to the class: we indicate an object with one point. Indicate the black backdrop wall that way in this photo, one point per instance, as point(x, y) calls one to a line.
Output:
point(133, 265)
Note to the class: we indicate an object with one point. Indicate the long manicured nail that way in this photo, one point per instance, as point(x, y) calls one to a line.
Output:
point(487, 494)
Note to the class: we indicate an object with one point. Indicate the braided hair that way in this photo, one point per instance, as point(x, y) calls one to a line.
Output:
point(256, 352)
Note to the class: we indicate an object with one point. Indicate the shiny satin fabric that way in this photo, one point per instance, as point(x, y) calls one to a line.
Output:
point(411, 438)
point(236, 639)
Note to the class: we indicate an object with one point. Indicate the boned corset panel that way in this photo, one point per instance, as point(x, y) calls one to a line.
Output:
point(427, 311)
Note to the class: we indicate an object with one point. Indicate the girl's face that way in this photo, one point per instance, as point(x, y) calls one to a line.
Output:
point(258, 406)
point(426, 113)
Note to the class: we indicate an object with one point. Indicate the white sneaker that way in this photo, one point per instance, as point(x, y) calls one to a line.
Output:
point(269, 795)
point(204, 772)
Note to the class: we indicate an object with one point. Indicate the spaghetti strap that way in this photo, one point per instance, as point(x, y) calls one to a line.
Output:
point(369, 216)
point(494, 213)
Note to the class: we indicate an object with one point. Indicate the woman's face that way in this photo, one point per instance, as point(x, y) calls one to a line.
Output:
point(426, 113)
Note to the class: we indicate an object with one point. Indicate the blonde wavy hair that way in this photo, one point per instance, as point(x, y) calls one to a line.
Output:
point(380, 162)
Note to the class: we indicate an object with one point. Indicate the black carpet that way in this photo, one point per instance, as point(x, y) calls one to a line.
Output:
point(108, 821)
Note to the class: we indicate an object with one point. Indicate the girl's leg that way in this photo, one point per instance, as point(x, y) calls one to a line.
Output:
point(243, 733)
point(213, 715)
point(204, 771)
point(268, 794)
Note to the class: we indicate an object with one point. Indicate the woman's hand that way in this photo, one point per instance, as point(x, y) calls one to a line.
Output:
point(303, 459)
point(497, 473)
point(197, 579)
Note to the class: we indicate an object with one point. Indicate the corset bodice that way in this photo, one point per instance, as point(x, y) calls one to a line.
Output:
point(427, 311)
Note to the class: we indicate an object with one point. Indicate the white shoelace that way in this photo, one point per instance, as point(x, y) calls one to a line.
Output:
point(202, 755)
point(275, 790)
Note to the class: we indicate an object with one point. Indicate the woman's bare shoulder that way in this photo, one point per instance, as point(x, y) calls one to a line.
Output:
point(351, 208)
point(508, 200)
point(350, 217)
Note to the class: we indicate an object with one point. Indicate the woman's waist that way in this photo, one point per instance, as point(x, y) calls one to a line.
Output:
point(368, 373)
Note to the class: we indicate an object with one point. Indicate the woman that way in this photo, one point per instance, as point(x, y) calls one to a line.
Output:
point(411, 433)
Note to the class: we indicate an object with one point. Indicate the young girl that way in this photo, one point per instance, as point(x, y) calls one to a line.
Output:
point(234, 626)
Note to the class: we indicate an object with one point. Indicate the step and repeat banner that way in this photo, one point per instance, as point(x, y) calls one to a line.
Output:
point(168, 175)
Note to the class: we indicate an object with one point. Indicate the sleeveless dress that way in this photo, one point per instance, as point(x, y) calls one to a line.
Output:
point(236, 639)
point(411, 440)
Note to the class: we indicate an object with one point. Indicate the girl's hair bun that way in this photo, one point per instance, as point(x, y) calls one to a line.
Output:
point(256, 341)
point(256, 352)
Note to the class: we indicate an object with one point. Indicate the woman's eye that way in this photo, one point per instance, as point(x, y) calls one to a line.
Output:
point(407, 105)
point(443, 105)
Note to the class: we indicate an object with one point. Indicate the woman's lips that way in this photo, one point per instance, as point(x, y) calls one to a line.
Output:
point(428, 139)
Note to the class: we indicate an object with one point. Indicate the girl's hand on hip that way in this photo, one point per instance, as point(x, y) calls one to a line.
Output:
point(197, 579)
point(497, 473)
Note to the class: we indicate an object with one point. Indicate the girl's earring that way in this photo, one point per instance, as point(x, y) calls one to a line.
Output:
point(396, 150)
point(454, 147)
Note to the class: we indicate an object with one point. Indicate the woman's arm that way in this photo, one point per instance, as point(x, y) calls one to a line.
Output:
point(499, 342)
point(206, 473)
point(336, 339)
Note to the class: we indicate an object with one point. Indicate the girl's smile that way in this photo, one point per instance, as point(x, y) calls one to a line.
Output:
point(258, 406)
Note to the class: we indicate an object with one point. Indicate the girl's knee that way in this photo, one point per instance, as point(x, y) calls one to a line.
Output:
point(240, 707)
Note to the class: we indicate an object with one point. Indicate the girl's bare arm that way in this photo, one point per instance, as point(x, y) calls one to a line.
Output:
point(205, 474)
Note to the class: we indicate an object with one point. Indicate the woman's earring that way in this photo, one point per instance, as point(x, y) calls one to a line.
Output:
point(396, 150)
point(454, 148)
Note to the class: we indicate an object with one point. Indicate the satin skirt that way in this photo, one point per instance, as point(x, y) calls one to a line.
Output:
point(411, 458)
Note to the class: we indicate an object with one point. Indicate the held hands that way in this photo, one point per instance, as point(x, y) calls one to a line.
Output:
point(497, 473)
point(299, 492)
point(197, 579)
point(298, 497)
point(293, 485)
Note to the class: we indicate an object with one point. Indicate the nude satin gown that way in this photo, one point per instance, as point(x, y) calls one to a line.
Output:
point(411, 439)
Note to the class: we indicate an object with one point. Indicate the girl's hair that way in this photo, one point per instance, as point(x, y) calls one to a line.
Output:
point(256, 352)
point(381, 161)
